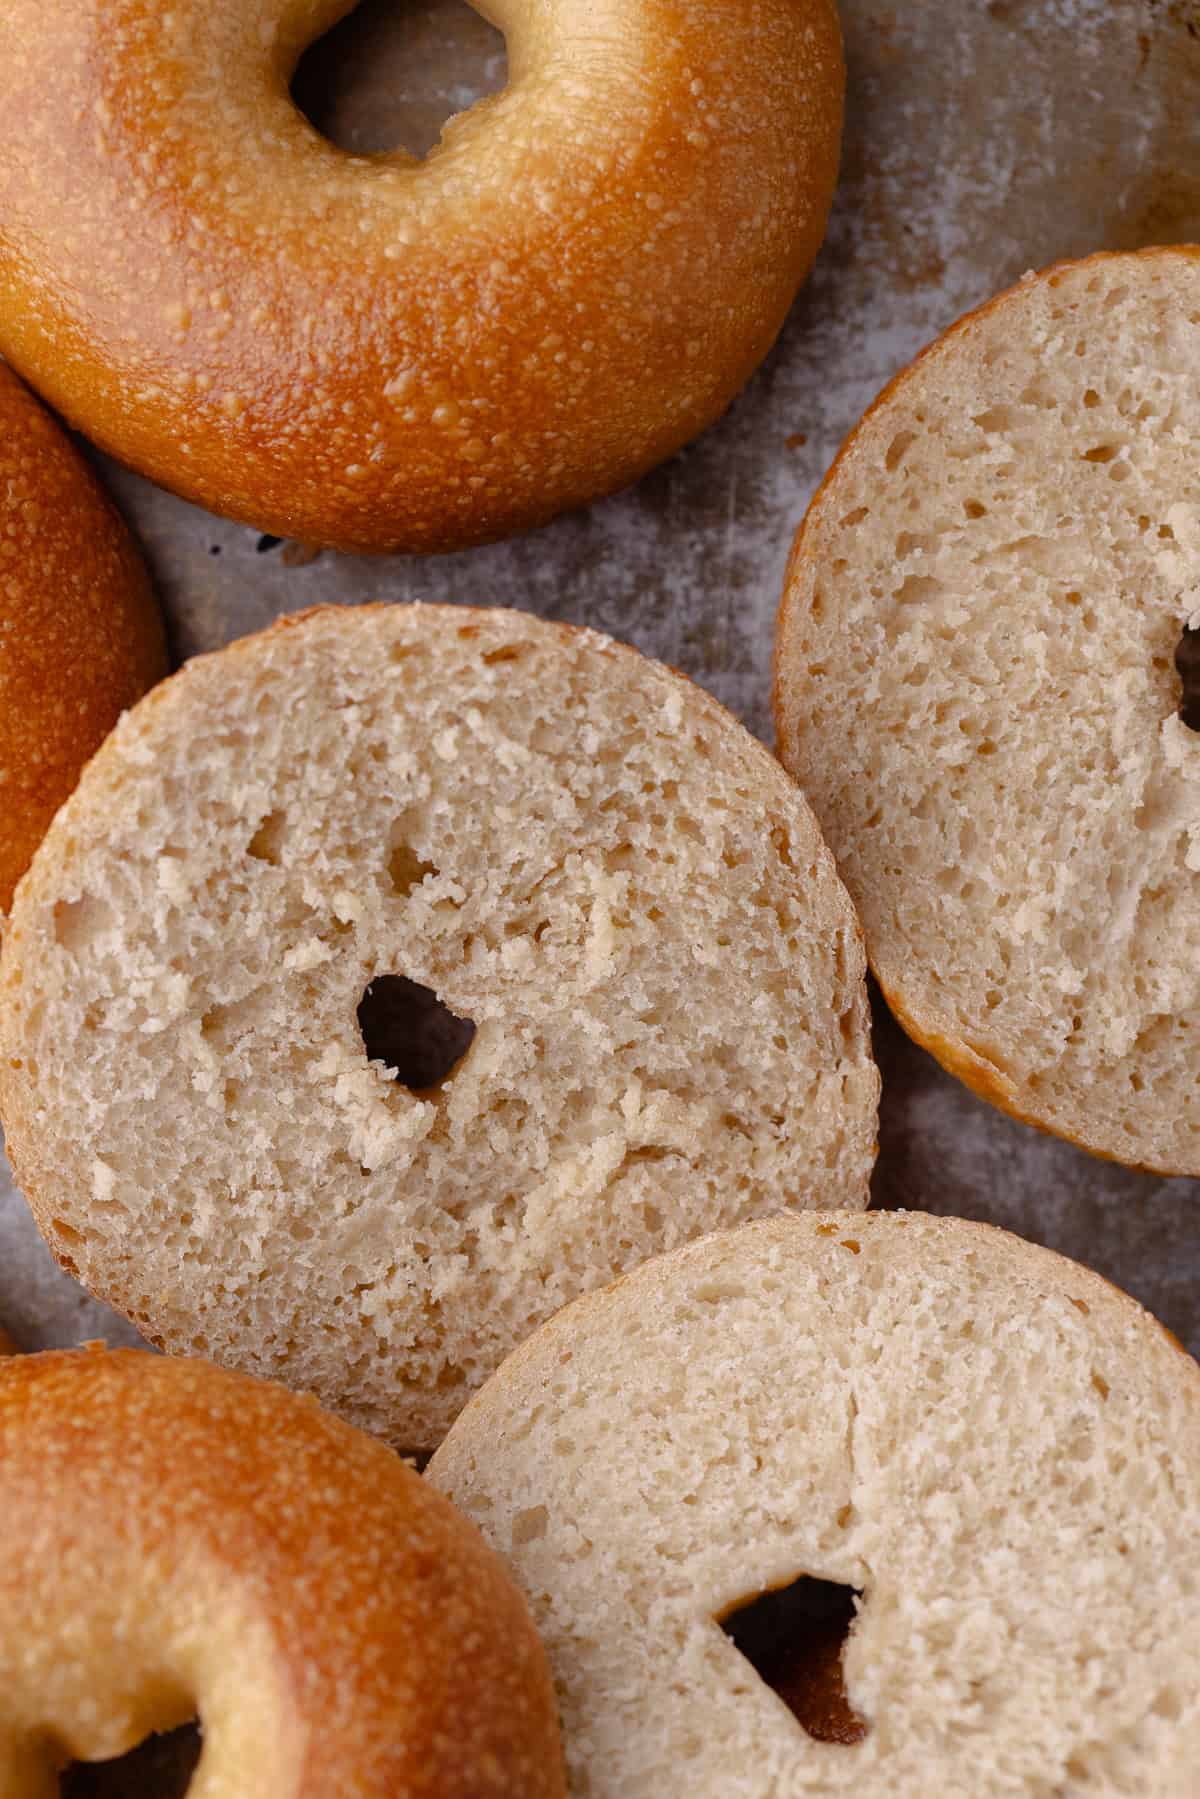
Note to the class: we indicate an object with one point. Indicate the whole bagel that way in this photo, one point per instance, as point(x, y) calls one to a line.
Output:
point(80, 634)
point(381, 353)
point(184, 1542)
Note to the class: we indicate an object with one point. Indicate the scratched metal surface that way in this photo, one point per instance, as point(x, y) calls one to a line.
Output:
point(984, 137)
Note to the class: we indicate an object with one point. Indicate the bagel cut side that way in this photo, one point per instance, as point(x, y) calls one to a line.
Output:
point(80, 633)
point(988, 684)
point(890, 1506)
point(386, 354)
point(400, 973)
point(182, 1542)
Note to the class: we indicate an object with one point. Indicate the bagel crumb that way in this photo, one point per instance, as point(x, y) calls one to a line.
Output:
point(992, 707)
point(986, 1495)
point(467, 961)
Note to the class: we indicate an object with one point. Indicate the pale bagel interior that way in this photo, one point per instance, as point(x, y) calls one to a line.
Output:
point(574, 849)
point(978, 689)
point(997, 1450)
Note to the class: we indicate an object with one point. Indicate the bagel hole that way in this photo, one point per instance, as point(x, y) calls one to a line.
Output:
point(413, 1033)
point(160, 1768)
point(794, 1637)
point(388, 77)
point(1187, 665)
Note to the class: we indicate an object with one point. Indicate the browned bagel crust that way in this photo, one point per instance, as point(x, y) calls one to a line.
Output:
point(981, 1074)
point(382, 354)
point(183, 1540)
point(80, 633)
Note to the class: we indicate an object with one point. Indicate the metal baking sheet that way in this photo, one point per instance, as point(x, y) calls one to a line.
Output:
point(984, 137)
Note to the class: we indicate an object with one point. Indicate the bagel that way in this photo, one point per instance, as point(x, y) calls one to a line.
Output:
point(220, 1078)
point(978, 684)
point(984, 1455)
point(80, 633)
point(182, 1541)
point(380, 353)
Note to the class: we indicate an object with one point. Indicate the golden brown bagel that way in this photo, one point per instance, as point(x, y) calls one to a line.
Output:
point(379, 353)
point(181, 1541)
point(80, 634)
